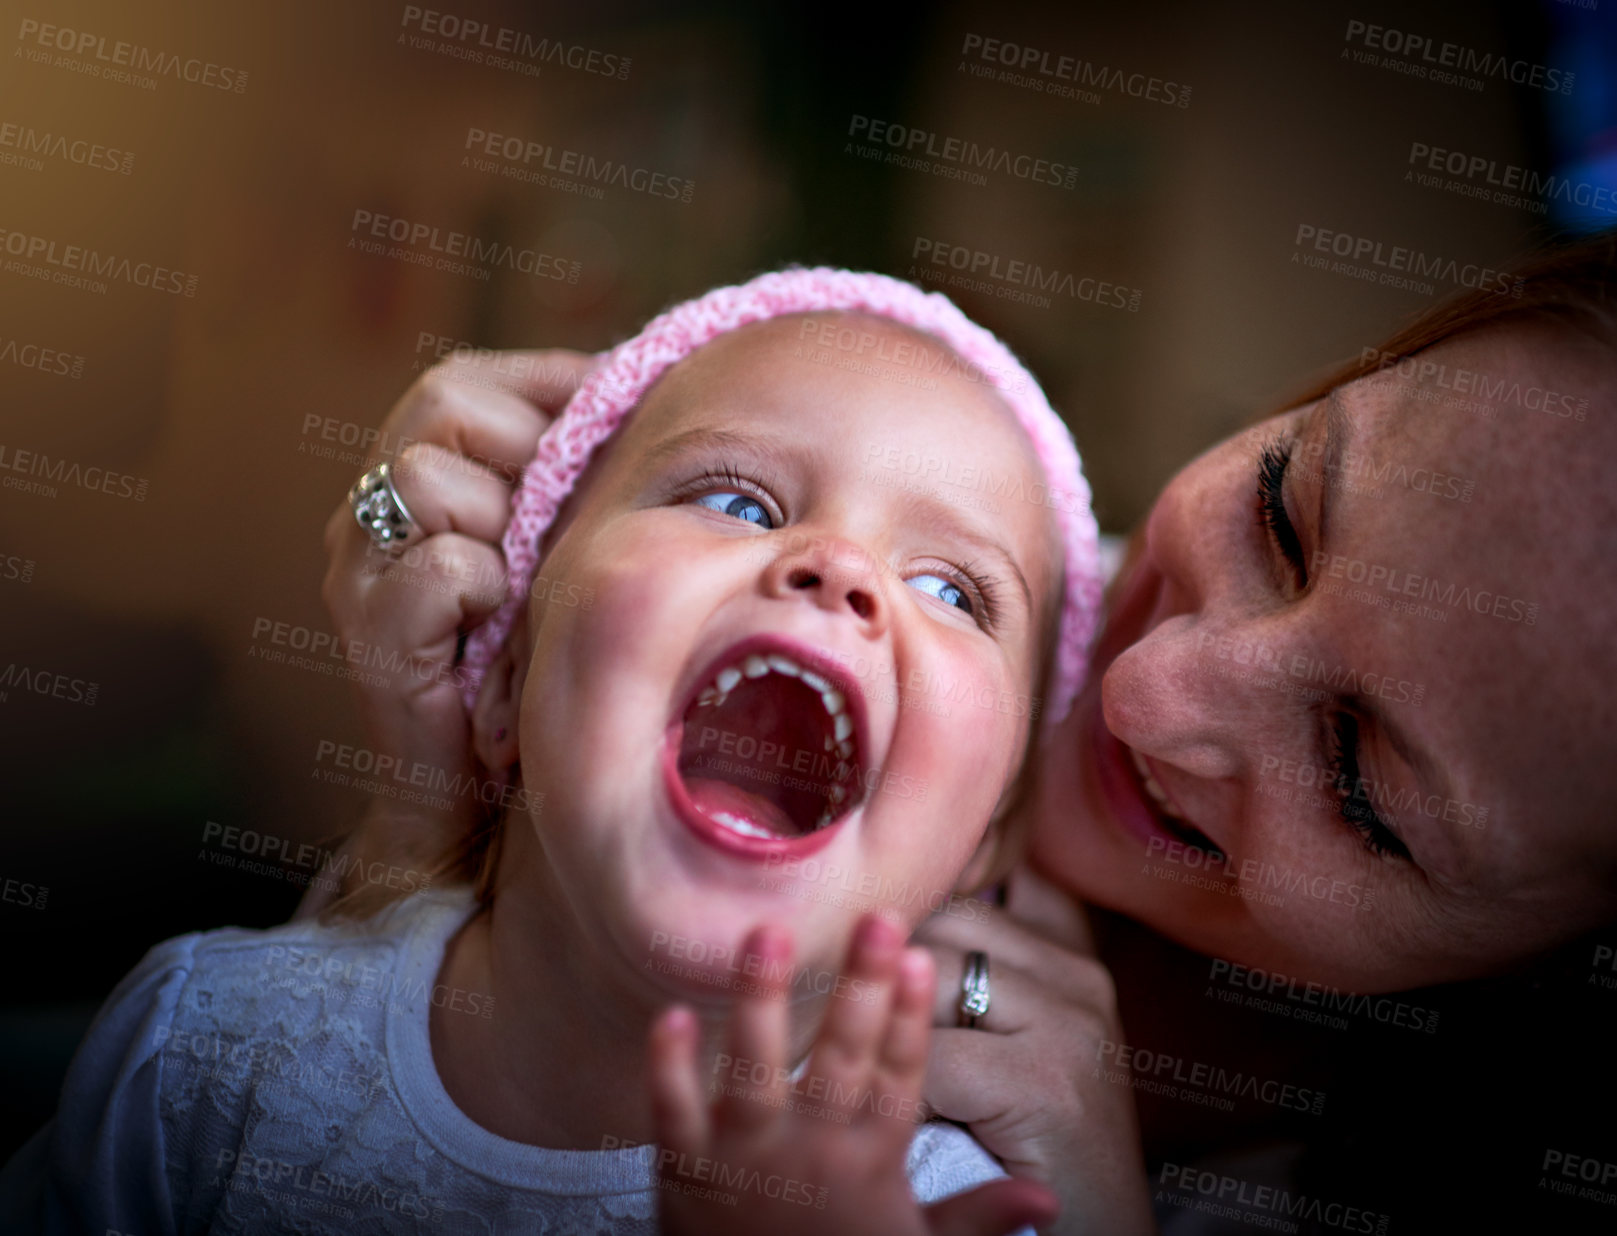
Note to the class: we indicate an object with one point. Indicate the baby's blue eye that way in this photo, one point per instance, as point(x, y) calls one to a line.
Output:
point(945, 590)
point(738, 506)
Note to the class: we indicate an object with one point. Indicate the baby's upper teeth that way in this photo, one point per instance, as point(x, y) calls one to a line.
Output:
point(756, 665)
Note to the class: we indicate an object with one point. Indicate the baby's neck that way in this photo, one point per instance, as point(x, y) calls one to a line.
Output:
point(562, 1061)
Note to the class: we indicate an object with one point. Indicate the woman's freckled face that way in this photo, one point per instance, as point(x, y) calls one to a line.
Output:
point(839, 552)
point(1452, 600)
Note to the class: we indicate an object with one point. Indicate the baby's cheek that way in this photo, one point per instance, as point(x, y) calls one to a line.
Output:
point(980, 716)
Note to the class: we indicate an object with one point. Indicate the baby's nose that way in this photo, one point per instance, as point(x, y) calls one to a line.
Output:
point(835, 574)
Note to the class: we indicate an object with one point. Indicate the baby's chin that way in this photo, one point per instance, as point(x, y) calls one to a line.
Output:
point(696, 952)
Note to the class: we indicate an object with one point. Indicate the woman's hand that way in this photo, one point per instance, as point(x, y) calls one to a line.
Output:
point(1025, 1079)
point(457, 441)
point(757, 1160)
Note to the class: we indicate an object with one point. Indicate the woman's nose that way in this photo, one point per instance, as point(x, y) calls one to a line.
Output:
point(835, 574)
point(1173, 694)
point(1159, 698)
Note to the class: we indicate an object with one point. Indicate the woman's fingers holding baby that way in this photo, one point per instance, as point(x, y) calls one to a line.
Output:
point(458, 440)
point(1014, 952)
point(447, 492)
point(1025, 1079)
point(492, 407)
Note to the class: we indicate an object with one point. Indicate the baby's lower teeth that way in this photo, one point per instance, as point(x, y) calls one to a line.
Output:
point(742, 825)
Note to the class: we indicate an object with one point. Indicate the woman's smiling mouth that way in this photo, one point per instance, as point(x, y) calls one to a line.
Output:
point(767, 755)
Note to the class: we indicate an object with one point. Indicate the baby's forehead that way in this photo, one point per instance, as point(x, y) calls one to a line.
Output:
point(871, 398)
point(818, 360)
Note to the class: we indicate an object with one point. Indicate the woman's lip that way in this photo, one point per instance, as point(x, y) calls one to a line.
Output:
point(760, 849)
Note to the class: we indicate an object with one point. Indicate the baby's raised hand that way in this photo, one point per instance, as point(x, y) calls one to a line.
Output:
point(826, 1153)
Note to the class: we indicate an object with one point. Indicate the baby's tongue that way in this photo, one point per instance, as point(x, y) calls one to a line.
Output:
point(734, 807)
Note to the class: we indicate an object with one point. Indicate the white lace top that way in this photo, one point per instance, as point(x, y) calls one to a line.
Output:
point(282, 1081)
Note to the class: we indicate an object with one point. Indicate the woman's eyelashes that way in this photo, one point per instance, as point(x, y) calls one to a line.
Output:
point(1271, 509)
point(1355, 791)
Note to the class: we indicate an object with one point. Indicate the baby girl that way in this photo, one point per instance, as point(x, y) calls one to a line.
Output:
point(791, 662)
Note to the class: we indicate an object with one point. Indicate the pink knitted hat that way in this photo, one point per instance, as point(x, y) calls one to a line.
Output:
point(615, 387)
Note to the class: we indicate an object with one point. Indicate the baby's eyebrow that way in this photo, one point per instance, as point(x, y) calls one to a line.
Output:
point(709, 438)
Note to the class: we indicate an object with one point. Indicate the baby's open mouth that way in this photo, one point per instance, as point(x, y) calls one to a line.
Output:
point(769, 748)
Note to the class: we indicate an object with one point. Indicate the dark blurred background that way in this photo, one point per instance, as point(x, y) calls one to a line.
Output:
point(229, 412)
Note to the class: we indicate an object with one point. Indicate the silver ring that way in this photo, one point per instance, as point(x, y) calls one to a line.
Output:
point(974, 993)
point(381, 512)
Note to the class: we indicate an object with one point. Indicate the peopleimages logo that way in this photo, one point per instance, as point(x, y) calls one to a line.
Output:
point(1397, 266)
point(974, 267)
point(1422, 370)
point(1487, 179)
point(1022, 65)
point(1230, 1197)
point(60, 259)
point(410, 235)
point(272, 1175)
point(914, 148)
point(1273, 987)
point(501, 47)
point(1396, 581)
point(76, 44)
point(27, 141)
point(1420, 55)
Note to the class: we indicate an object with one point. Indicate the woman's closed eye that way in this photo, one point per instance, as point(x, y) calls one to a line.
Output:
point(738, 506)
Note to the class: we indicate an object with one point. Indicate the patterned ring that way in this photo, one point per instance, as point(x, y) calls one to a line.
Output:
point(381, 512)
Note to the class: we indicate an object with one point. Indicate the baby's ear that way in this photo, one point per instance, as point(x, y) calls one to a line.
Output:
point(499, 701)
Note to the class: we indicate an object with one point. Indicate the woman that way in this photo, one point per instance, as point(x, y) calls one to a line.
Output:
point(1344, 743)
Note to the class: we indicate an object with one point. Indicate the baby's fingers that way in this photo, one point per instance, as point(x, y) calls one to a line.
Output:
point(678, 1106)
point(751, 1075)
point(855, 1025)
point(901, 1067)
point(993, 1210)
